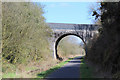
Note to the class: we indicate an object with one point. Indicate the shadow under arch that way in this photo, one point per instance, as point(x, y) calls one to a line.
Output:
point(58, 40)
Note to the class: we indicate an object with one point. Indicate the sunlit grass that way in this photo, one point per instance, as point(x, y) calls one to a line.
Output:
point(10, 75)
point(85, 71)
point(45, 73)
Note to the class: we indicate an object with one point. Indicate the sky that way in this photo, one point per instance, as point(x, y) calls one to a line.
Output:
point(75, 39)
point(68, 12)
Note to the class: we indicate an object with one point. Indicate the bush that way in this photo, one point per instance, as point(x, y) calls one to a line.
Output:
point(25, 33)
point(105, 51)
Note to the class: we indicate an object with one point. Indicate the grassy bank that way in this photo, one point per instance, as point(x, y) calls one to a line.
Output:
point(30, 70)
point(85, 70)
point(45, 73)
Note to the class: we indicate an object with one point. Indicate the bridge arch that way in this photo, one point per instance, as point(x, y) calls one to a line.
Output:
point(56, 56)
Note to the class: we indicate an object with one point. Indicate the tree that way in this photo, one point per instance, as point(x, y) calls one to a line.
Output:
point(25, 33)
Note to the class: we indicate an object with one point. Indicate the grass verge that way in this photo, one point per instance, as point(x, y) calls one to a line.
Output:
point(85, 70)
point(9, 75)
point(45, 73)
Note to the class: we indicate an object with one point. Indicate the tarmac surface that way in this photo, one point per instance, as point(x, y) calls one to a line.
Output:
point(69, 70)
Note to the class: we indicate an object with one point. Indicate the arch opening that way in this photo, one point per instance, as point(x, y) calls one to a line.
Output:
point(59, 39)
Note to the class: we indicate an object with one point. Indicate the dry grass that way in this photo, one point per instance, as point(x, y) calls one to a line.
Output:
point(30, 70)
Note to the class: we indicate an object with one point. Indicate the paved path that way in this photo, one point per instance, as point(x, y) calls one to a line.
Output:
point(70, 70)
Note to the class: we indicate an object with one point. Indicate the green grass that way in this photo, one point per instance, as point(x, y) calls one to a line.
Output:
point(45, 73)
point(10, 75)
point(85, 71)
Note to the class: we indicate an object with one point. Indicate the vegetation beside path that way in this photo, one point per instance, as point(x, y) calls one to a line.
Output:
point(25, 37)
point(85, 70)
point(45, 73)
point(104, 49)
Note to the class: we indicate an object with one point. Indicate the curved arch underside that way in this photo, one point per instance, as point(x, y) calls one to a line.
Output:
point(58, 40)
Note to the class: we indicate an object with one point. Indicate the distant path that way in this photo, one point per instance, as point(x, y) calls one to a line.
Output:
point(70, 70)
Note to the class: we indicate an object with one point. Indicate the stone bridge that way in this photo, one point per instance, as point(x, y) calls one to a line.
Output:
point(84, 31)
